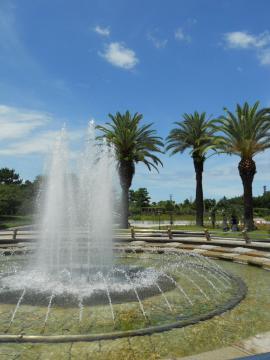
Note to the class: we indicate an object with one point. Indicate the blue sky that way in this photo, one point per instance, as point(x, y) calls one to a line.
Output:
point(68, 61)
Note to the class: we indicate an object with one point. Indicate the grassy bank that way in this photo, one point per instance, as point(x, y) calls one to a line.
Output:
point(184, 217)
point(8, 221)
point(262, 233)
point(163, 217)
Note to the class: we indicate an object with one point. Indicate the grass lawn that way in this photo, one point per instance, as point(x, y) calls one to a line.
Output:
point(163, 217)
point(263, 233)
point(8, 221)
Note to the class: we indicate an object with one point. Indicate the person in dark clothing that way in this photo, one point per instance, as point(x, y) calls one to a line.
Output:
point(234, 223)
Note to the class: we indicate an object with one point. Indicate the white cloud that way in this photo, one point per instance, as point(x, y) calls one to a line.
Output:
point(23, 133)
point(181, 36)
point(158, 43)
point(16, 123)
point(119, 55)
point(239, 39)
point(103, 31)
point(245, 40)
point(264, 56)
point(40, 143)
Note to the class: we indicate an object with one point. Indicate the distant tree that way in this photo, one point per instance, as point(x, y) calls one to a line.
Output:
point(223, 204)
point(167, 205)
point(133, 143)
point(140, 198)
point(262, 201)
point(8, 177)
point(29, 192)
point(187, 207)
point(10, 199)
point(209, 204)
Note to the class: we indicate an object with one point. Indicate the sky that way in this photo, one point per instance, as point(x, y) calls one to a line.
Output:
point(69, 61)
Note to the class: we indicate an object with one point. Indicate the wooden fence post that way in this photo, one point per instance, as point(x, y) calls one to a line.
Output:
point(246, 237)
point(170, 233)
point(132, 230)
point(207, 235)
point(14, 234)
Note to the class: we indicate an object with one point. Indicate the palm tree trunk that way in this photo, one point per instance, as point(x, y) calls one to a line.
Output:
point(126, 172)
point(247, 170)
point(198, 165)
point(124, 207)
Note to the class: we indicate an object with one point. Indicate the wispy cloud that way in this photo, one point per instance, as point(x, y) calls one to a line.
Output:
point(25, 131)
point(218, 180)
point(40, 143)
point(12, 49)
point(103, 31)
point(264, 56)
point(244, 40)
point(16, 123)
point(179, 35)
point(156, 41)
point(119, 55)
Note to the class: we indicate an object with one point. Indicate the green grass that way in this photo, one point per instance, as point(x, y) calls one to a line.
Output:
point(166, 217)
point(163, 217)
point(9, 221)
point(259, 234)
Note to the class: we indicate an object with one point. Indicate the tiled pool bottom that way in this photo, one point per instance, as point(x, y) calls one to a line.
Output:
point(252, 316)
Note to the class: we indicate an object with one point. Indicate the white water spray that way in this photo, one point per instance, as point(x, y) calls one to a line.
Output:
point(77, 220)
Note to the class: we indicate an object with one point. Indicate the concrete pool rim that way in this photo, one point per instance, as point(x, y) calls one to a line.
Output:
point(238, 296)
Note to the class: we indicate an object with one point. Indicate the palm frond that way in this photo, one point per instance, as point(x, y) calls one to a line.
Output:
point(194, 132)
point(132, 142)
point(245, 132)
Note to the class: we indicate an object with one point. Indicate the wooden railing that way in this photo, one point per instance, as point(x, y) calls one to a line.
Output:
point(171, 234)
point(20, 235)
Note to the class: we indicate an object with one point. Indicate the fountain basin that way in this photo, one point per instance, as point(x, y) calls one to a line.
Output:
point(92, 287)
point(154, 293)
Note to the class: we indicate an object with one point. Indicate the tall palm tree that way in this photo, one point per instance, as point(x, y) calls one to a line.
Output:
point(133, 143)
point(246, 133)
point(196, 133)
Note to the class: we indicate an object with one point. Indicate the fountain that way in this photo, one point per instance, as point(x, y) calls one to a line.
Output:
point(77, 284)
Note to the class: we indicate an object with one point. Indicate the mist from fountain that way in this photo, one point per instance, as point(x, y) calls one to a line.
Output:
point(76, 210)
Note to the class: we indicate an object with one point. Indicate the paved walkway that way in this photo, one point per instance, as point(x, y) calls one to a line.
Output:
point(259, 344)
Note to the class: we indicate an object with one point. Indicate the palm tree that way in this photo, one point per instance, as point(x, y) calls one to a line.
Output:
point(246, 133)
point(133, 143)
point(195, 132)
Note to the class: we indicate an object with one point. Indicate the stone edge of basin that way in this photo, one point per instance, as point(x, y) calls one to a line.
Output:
point(228, 305)
point(255, 345)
